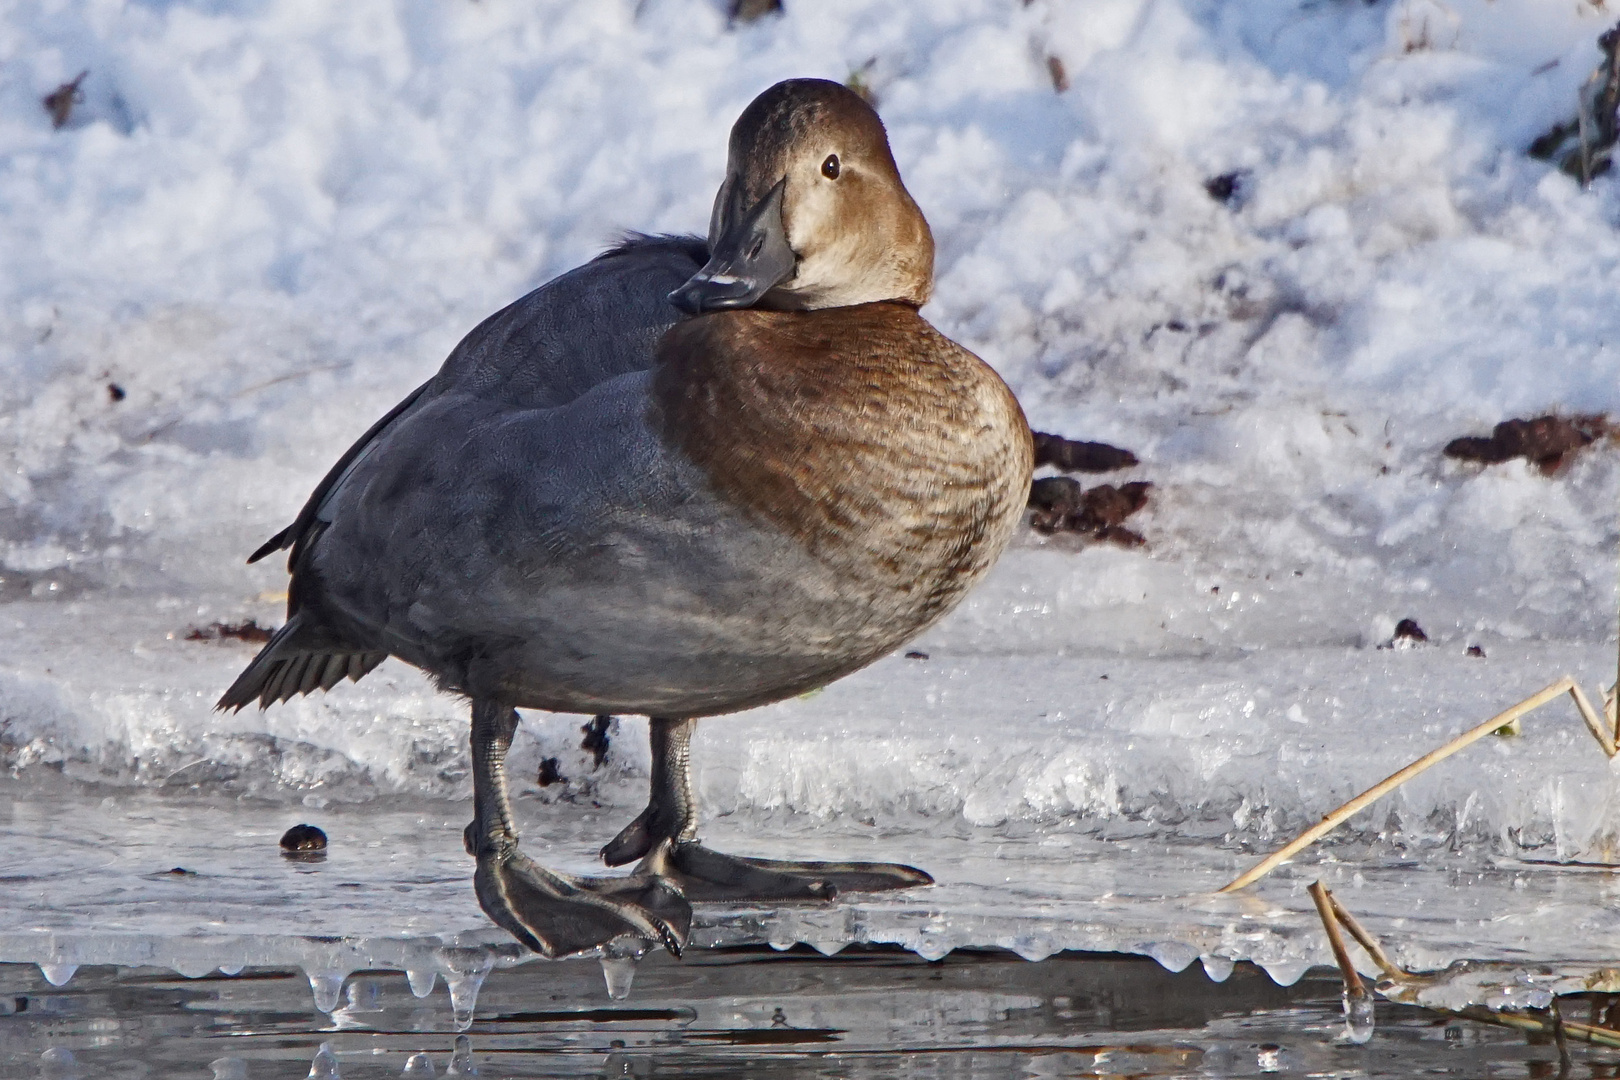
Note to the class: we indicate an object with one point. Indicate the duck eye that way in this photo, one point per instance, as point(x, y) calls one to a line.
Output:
point(829, 168)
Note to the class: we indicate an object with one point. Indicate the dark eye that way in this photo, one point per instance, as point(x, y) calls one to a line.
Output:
point(829, 168)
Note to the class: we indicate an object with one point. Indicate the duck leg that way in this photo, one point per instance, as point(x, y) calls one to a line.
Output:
point(665, 835)
point(553, 914)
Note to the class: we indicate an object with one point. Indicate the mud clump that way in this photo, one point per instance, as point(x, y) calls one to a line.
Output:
point(1408, 635)
point(1545, 441)
point(59, 102)
point(747, 11)
point(1072, 455)
point(595, 742)
point(1060, 504)
point(249, 631)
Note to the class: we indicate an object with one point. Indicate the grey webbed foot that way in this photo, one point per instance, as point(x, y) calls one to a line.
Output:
point(558, 914)
point(707, 875)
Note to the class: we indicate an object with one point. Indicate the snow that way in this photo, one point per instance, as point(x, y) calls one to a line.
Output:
point(267, 222)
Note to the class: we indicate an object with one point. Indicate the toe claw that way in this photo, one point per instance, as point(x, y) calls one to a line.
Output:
point(633, 841)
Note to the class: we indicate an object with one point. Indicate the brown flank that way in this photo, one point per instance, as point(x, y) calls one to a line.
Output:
point(889, 451)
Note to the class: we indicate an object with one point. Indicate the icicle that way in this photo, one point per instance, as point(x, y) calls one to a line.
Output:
point(58, 1063)
point(328, 987)
point(229, 1068)
point(325, 1066)
point(1218, 968)
point(1358, 1017)
point(231, 969)
point(363, 995)
point(421, 981)
point(58, 974)
point(192, 967)
point(464, 986)
point(619, 959)
point(461, 1059)
point(829, 946)
point(625, 1067)
point(418, 1065)
point(1173, 956)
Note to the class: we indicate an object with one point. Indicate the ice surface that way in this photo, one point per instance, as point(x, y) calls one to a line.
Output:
point(266, 224)
point(744, 1014)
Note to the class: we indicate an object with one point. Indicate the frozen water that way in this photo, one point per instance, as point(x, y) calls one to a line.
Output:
point(325, 1065)
point(752, 1014)
point(229, 1068)
point(327, 987)
point(422, 981)
point(264, 225)
point(619, 959)
point(462, 1062)
point(1359, 1020)
point(463, 980)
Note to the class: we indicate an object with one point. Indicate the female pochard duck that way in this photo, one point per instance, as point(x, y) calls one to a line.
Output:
point(679, 481)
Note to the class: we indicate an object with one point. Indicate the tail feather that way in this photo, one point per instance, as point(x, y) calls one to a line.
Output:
point(286, 667)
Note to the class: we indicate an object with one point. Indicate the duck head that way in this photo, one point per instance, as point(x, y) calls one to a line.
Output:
point(812, 213)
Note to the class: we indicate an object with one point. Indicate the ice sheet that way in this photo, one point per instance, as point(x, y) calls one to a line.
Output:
point(1058, 809)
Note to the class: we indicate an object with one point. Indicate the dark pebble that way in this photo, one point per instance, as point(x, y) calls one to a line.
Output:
point(1409, 630)
point(303, 838)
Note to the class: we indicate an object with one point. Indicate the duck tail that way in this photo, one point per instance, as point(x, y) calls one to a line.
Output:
point(286, 667)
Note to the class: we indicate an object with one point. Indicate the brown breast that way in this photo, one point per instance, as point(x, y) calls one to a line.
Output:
point(898, 458)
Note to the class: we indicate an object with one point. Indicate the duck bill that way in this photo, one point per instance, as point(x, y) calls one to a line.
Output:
point(747, 259)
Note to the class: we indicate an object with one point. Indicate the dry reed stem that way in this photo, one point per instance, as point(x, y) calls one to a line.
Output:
point(1353, 984)
point(1589, 1033)
point(1334, 915)
point(1566, 685)
point(1366, 940)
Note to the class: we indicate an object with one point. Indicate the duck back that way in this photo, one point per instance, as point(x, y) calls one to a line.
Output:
point(596, 322)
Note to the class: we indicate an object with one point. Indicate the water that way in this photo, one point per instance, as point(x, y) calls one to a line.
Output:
point(752, 1013)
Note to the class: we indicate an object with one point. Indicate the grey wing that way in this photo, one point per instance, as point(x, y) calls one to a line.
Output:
point(589, 325)
point(292, 534)
point(579, 331)
point(477, 508)
point(592, 324)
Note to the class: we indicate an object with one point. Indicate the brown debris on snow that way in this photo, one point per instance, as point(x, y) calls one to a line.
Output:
point(1545, 441)
point(59, 102)
point(747, 11)
point(1060, 504)
point(249, 631)
point(1072, 455)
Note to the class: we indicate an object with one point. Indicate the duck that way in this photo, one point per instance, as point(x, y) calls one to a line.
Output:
point(690, 477)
